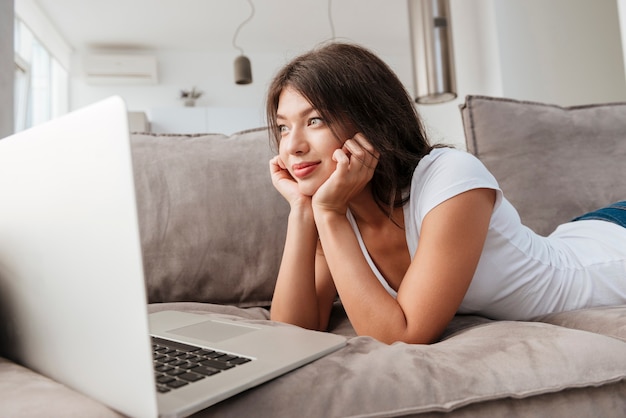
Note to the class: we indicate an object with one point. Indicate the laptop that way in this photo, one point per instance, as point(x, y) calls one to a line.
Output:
point(72, 296)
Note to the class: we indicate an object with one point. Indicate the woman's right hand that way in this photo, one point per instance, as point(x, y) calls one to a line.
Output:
point(285, 183)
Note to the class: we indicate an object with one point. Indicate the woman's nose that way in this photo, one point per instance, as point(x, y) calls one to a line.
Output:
point(296, 142)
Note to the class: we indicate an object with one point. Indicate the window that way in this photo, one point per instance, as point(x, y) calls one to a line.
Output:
point(41, 82)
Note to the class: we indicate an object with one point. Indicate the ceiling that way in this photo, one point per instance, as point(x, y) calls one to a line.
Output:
point(209, 25)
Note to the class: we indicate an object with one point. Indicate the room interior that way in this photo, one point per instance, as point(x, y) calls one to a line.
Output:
point(563, 52)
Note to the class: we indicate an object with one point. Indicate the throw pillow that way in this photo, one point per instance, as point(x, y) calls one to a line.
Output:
point(212, 225)
point(553, 163)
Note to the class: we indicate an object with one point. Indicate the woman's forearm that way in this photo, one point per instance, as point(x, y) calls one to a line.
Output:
point(295, 299)
point(372, 311)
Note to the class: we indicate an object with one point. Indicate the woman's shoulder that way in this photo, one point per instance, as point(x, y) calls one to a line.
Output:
point(445, 173)
point(447, 152)
point(441, 159)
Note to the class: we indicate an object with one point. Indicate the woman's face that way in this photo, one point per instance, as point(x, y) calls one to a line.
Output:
point(307, 143)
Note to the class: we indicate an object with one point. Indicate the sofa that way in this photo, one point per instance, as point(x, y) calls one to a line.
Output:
point(212, 230)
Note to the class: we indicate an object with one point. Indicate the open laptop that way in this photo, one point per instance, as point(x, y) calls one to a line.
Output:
point(72, 294)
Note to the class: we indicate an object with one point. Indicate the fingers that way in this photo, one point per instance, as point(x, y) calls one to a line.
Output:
point(362, 150)
point(277, 162)
point(278, 170)
point(283, 181)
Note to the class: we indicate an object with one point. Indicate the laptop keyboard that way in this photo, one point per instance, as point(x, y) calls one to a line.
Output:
point(177, 364)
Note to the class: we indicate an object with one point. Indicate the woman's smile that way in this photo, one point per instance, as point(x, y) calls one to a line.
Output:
point(302, 170)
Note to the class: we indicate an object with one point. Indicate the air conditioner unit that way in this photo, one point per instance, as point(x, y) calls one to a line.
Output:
point(120, 69)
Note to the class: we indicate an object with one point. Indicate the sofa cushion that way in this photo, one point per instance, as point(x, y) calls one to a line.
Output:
point(608, 320)
point(551, 162)
point(479, 362)
point(212, 225)
point(27, 394)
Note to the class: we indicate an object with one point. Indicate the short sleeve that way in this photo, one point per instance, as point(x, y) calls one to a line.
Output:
point(446, 173)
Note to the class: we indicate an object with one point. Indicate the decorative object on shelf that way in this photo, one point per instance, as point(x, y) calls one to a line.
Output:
point(243, 68)
point(190, 96)
point(431, 51)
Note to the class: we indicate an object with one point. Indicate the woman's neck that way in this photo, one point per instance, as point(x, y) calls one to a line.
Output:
point(367, 212)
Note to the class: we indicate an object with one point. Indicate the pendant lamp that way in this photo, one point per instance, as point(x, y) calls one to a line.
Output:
point(243, 70)
point(431, 51)
point(243, 67)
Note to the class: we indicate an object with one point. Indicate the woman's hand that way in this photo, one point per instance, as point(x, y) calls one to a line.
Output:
point(284, 182)
point(356, 162)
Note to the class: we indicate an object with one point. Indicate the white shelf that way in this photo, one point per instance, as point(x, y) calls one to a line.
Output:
point(192, 120)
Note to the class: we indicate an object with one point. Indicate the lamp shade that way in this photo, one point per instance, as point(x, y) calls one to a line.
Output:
point(243, 70)
point(431, 51)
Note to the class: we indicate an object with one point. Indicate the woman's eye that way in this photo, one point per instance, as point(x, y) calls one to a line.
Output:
point(282, 129)
point(315, 121)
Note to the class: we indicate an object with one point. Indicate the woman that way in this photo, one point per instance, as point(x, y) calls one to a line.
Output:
point(408, 234)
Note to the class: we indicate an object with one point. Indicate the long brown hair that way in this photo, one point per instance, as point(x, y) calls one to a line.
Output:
point(349, 85)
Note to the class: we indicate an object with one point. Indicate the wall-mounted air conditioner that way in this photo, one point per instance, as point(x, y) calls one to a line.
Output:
point(120, 69)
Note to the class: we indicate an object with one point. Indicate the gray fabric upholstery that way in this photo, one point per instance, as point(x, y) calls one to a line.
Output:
point(212, 225)
point(553, 163)
point(477, 363)
point(609, 321)
point(26, 394)
point(481, 368)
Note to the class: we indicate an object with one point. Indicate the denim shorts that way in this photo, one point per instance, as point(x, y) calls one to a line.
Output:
point(615, 213)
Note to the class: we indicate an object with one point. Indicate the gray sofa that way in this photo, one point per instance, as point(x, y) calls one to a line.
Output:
point(212, 230)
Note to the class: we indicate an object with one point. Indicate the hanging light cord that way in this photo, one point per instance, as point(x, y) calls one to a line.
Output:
point(241, 25)
point(330, 19)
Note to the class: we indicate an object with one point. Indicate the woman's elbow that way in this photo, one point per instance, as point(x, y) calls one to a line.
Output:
point(302, 322)
point(403, 336)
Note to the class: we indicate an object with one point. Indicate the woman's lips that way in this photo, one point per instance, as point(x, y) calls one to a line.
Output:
point(302, 170)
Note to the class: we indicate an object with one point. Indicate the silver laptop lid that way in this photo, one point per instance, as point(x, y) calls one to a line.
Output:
point(71, 279)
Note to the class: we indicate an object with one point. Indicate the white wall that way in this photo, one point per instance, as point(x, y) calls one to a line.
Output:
point(567, 52)
point(560, 51)
point(212, 74)
point(476, 55)
point(477, 67)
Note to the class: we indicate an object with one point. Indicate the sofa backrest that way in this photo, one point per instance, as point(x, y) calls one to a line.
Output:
point(553, 163)
point(212, 225)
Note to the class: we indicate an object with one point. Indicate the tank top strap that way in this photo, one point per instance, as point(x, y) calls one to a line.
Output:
point(366, 254)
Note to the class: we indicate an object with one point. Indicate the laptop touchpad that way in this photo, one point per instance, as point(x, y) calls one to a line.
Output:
point(212, 331)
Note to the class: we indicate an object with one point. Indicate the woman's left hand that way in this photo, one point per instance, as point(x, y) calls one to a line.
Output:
point(356, 162)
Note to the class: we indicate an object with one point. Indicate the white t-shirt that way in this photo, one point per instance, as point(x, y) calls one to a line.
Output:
point(520, 274)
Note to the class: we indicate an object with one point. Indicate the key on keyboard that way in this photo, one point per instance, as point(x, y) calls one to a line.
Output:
point(177, 364)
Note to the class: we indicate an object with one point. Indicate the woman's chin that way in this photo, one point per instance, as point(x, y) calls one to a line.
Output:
point(307, 189)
